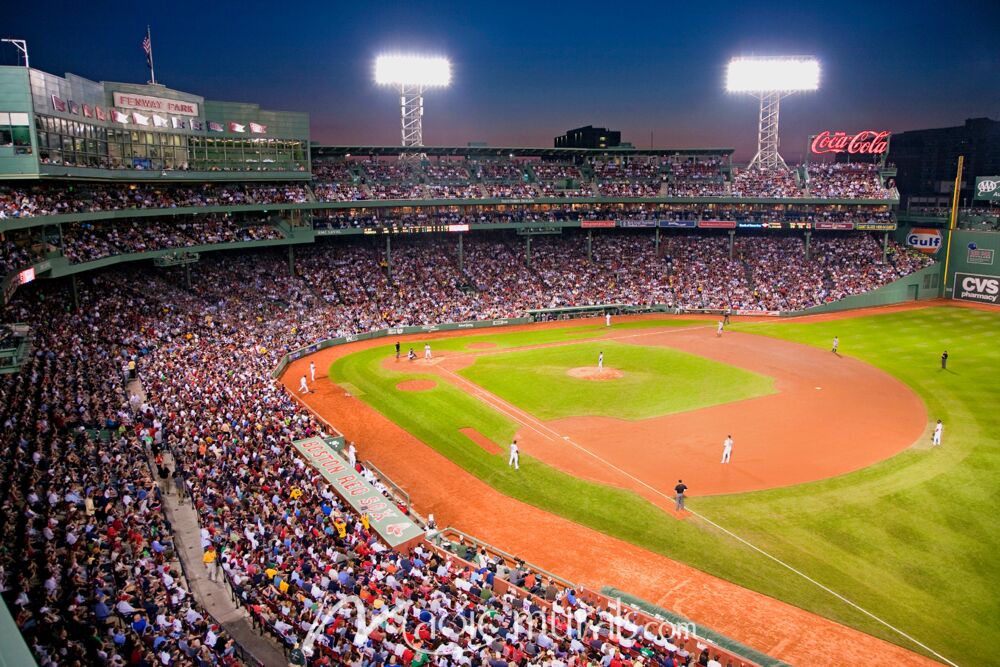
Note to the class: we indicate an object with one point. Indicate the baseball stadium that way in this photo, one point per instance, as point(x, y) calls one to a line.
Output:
point(271, 401)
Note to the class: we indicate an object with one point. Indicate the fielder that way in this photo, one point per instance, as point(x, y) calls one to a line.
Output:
point(607, 319)
point(515, 458)
point(312, 371)
point(936, 438)
point(427, 350)
point(303, 387)
point(600, 361)
point(836, 344)
point(727, 449)
point(718, 330)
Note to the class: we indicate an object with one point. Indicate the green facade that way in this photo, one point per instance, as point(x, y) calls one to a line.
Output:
point(77, 131)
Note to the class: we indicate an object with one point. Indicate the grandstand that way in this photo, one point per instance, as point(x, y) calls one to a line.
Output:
point(162, 246)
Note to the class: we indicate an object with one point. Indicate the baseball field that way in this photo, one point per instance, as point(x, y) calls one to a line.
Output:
point(834, 501)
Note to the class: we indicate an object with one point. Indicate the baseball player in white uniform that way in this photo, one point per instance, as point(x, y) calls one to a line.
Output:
point(718, 329)
point(514, 459)
point(600, 361)
point(303, 387)
point(312, 371)
point(352, 454)
point(607, 319)
point(727, 448)
point(936, 438)
point(836, 344)
point(427, 350)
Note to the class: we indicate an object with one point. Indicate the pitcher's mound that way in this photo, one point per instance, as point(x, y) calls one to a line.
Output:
point(416, 385)
point(594, 373)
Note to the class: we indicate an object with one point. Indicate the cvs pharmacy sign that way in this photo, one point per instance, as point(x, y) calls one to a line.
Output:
point(924, 240)
point(974, 287)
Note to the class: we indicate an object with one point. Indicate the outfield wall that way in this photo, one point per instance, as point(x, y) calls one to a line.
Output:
point(924, 284)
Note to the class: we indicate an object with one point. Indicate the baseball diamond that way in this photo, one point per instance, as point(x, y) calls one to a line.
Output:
point(298, 387)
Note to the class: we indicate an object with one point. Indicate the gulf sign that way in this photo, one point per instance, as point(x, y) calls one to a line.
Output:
point(925, 240)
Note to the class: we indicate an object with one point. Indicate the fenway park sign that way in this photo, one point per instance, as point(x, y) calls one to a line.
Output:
point(868, 142)
point(161, 104)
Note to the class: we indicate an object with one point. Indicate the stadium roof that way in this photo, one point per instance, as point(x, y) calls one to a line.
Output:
point(499, 151)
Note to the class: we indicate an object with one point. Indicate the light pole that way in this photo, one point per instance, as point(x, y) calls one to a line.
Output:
point(769, 80)
point(411, 75)
point(22, 46)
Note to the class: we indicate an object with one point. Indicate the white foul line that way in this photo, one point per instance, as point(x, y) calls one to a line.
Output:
point(777, 560)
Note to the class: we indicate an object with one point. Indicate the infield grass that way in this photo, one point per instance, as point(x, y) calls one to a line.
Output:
point(656, 381)
point(914, 539)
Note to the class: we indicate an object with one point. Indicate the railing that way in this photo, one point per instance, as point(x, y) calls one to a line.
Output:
point(243, 654)
point(394, 488)
point(642, 615)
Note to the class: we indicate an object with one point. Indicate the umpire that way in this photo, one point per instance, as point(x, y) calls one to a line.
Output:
point(680, 489)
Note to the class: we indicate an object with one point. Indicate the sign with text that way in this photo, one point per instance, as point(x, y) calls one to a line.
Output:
point(980, 255)
point(161, 104)
point(394, 527)
point(925, 240)
point(868, 142)
point(988, 188)
point(837, 226)
point(586, 224)
point(977, 288)
point(717, 224)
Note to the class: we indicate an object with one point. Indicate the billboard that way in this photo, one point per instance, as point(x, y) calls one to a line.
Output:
point(988, 188)
point(925, 240)
point(976, 288)
point(868, 142)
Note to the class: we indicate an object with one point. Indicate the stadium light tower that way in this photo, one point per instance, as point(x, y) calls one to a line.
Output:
point(411, 75)
point(769, 80)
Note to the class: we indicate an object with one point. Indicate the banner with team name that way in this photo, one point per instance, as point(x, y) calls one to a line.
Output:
point(394, 527)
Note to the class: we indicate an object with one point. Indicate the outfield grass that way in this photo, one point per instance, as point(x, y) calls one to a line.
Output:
point(913, 539)
point(657, 381)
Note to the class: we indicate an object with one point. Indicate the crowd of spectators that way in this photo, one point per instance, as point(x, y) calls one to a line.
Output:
point(88, 565)
point(389, 178)
point(766, 273)
point(555, 171)
point(55, 199)
point(16, 256)
point(846, 180)
point(696, 177)
point(88, 241)
point(754, 182)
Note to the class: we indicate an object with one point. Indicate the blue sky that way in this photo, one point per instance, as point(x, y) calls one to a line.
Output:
point(525, 72)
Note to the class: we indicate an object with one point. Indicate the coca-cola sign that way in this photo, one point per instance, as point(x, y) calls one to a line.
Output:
point(868, 142)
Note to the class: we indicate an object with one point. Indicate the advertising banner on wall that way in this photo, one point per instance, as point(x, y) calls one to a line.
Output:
point(977, 255)
point(925, 240)
point(988, 188)
point(385, 518)
point(977, 288)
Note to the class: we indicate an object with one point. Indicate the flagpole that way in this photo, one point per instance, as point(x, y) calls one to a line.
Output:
point(152, 70)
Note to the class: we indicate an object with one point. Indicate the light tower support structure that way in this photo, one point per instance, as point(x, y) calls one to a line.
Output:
point(411, 108)
point(411, 75)
point(768, 158)
point(769, 79)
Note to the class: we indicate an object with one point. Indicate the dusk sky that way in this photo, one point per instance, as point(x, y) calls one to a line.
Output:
point(527, 71)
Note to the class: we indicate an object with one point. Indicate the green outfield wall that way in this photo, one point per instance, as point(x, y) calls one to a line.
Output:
point(924, 284)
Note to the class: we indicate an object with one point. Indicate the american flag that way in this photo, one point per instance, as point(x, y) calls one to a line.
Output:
point(147, 46)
